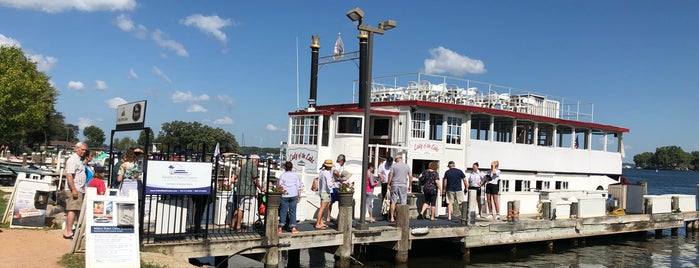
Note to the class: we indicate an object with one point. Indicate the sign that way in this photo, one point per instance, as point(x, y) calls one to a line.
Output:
point(131, 116)
point(30, 200)
point(426, 147)
point(111, 230)
point(303, 157)
point(173, 177)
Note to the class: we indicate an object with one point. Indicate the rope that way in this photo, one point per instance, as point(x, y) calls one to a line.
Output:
point(513, 213)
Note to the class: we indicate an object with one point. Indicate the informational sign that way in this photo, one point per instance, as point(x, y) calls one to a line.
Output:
point(111, 230)
point(173, 177)
point(131, 116)
point(303, 157)
point(30, 199)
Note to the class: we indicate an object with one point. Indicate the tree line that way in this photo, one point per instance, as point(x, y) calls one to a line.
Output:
point(668, 157)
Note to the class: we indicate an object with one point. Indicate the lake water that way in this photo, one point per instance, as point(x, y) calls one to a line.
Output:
point(609, 251)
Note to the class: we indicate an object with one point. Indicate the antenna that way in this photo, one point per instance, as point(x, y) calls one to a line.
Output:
point(297, 73)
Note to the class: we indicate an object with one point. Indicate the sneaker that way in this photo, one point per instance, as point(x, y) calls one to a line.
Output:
point(489, 217)
point(293, 230)
point(497, 217)
point(279, 230)
point(478, 216)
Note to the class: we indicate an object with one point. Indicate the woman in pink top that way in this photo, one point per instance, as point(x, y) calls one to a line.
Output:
point(371, 182)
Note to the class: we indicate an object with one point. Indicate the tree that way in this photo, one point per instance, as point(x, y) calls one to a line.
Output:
point(142, 138)
point(26, 97)
point(94, 137)
point(186, 137)
point(124, 144)
point(695, 160)
point(643, 160)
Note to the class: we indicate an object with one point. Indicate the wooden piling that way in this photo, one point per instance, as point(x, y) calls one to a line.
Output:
point(658, 233)
point(271, 236)
point(344, 226)
point(674, 231)
point(549, 245)
point(546, 210)
point(403, 245)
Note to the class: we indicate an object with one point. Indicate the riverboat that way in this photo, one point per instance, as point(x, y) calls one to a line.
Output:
point(542, 142)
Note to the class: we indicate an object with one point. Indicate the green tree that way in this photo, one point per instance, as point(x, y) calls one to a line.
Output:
point(180, 137)
point(142, 138)
point(695, 160)
point(124, 144)
point(643, 160)
point(26, 97)
point(94, 137)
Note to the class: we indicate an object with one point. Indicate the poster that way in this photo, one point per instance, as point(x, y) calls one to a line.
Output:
point(174, 177)
point(29, 209)
point(111, 230)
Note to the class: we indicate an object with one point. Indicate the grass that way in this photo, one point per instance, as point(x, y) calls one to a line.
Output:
point(78, 261)
point(3, 207)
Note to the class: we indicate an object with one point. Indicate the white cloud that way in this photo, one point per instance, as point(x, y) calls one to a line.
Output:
point(209, 24)
point(54, 6)
point(115, 102)
point(225, 99)
point(43, 63)
point(181, 96)
point(158, 37)
point(446, 61)
point(125, 23)
point(196, 108)
point(101, 85)
point(271, 127)
point(84, 122)
point(133, 75)
point(224, 121)
point(161, 74)
point(9, 42)
point(76, 85)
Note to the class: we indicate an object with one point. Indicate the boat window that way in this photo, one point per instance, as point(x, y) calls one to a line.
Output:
point(349, 125)
point(564, 138)
point(545, 137)
point(454, 129)
point(503, 129)
point(558, 185)
point(505, 185)
point(419, 122)
point(304, 130)
point(597, 143)
point(518, 185)
point(381, 126)
point(525, 132)
point(480, 126)
point(561, 185)
point(436, 125)
point(613, 142)
point(581, 141)
point(325, 135)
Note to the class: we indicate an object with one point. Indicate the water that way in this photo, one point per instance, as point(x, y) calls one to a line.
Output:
point(609, 251)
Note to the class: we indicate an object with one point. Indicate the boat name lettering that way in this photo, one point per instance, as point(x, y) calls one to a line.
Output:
point(426, 146)
point(305, 156)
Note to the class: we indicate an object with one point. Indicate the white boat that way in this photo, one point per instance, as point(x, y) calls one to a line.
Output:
point(543, 143)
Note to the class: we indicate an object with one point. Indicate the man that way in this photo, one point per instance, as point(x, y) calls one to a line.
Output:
point(399, 184)
point(74, 187)
point(454, 191)
point(337, 170)
point(384, 170)
point(248, 181)
point(115, 173)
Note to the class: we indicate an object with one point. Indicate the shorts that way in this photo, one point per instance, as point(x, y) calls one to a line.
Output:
point(244, 202)
point(324, 197)
point(478, 191)
point(73, 204)
point(492, 188)
point(455, 195)
point(430, 199)
point(335, 196)
point(399, 195)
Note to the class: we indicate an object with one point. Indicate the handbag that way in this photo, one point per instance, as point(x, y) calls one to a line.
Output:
point(444, 201)
point(386, 205)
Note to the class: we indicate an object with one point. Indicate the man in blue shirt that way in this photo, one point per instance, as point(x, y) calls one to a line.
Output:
point(454, 190)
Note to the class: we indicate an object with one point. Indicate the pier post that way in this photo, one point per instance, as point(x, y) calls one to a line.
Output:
point(472, 206)
point(675, 204)
point(344, 226)
point(513, 211)
point(658, 233)
point(546, 210)
point(465, 254)
point(271, 236)
point(294, 259)
point(674, 231)
point(403, 224)
point(574, 210)
point(549, 245)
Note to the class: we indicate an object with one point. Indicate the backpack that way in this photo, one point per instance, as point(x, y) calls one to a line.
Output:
point(429, 182)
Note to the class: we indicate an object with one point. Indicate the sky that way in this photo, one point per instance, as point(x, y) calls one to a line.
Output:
point(243, 65)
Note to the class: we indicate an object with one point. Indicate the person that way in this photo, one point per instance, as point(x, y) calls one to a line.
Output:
point(430, 188)
point(115, 173)
point(399, 184)
point(291, 183)
point(325, 180)
point(337, 170)
point(492, 190)
point(128, 176)
point(475, 181)
point(453, 190)
point(383, 172)
point(74, 187)
point(98, 183)
point(371, 182)
point(248, 185)
point(89, 172)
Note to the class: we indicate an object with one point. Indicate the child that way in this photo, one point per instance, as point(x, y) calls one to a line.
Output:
point(98, 183)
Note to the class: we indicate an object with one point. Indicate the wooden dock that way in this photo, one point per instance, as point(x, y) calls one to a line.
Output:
point(343, 236)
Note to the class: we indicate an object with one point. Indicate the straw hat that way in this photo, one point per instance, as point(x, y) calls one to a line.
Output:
point(328, 163)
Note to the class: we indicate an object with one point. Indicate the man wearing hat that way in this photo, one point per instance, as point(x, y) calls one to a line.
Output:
point(454, 191)
point(248, 185)
point(399, 182)
point(325, 180)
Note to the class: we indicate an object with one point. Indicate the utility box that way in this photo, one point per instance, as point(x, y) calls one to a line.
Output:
point(591, 207)
point(658, 203)
point(685, 202)
point(630, 197)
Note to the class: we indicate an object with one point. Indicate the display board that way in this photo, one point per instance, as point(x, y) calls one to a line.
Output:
point(29, 200)
point(111, 230)
point(174, 177)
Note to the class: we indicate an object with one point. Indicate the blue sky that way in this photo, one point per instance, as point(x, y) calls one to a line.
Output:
point(233, 64)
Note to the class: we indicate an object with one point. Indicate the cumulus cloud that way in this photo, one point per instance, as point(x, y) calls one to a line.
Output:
point(158, 37)
point(76, 85)
point(161, 74)
point(225, 99)
point(101, 85)
point(54, 6)
point(196, 108)
point(8, 41)
point(113, 103)
point(447, 61)
point(126, 24)
point(271, 127)
point(211, 25)
point(85, 122)
point(43, 63)
point(224, 121)
point(181, 96)
point(133, 75)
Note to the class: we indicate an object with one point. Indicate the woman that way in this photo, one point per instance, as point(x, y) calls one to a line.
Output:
point(430, 188)
point(291, 183)
point(475, 181)
point(371, 182)
point(89, 172)
point(128, 176)
point(492, 190)
point(325, 180)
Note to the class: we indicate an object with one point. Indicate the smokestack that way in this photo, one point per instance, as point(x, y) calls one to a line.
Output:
point(315, 47)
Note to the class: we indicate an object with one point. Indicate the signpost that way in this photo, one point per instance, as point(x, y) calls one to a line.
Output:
point(111, 230)
point(131, 116)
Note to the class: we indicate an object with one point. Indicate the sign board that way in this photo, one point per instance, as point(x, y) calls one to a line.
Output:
point(131, 116)
point(30, 200)
point(426, 147)
point(111, 230)
point(174, 177)
point(303, 157)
